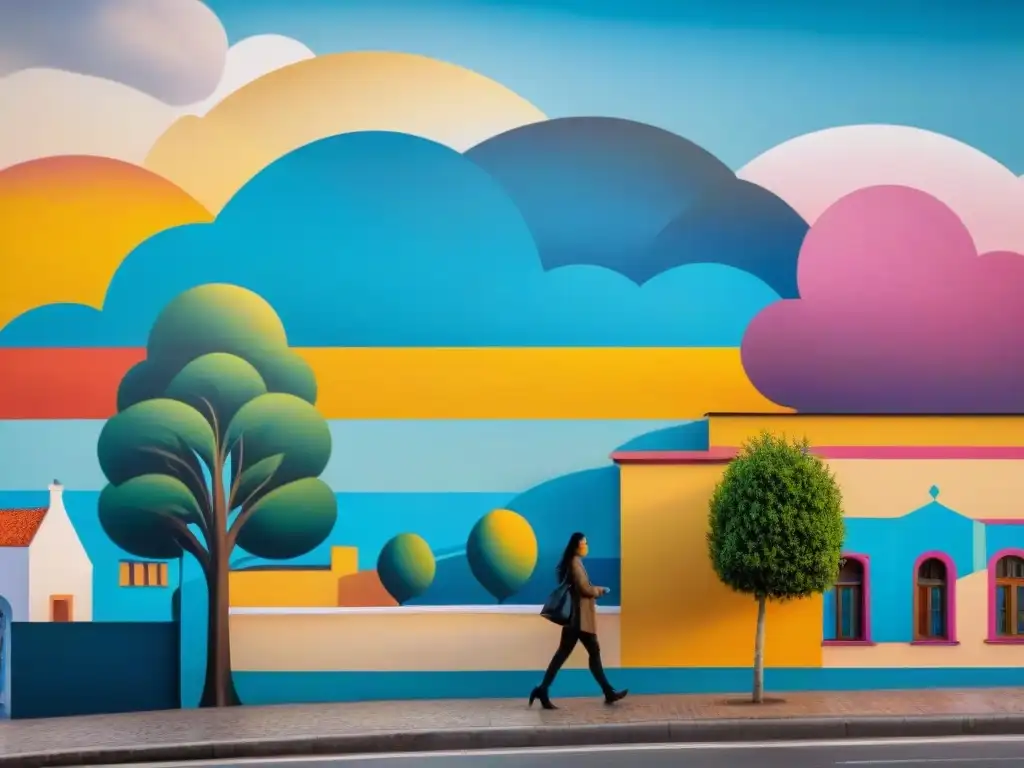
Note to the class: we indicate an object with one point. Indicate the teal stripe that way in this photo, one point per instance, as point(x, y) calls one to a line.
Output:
point(979, 559)
point(370, 456)
point(317, 687)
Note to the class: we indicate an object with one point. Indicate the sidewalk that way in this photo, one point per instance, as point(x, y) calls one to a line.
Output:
point(468, 724)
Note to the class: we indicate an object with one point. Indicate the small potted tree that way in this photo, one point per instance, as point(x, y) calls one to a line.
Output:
point(775, 528)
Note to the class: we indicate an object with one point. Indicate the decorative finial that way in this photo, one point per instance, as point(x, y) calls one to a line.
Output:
point(934, 492)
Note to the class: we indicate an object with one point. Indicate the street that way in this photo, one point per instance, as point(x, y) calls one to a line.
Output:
point(966, 752)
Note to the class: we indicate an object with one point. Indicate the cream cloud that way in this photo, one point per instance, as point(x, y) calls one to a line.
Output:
point(67, 113)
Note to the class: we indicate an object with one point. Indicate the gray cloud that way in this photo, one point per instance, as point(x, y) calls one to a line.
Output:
point(171, 49)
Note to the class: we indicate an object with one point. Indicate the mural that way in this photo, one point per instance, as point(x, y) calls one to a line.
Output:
point(335, 324)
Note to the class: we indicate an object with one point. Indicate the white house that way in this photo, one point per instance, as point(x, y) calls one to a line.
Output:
point(45, 572)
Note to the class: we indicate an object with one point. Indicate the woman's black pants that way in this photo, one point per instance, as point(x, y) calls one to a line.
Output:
point(570, 636)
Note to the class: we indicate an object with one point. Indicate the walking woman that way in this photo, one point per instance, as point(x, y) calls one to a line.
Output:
point(582, 628)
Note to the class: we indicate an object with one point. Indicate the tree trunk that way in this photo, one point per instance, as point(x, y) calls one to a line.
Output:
point(759, 651)
point(219, 687)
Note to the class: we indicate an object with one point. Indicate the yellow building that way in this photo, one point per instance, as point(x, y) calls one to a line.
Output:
point(676, 613)
point(285, 586)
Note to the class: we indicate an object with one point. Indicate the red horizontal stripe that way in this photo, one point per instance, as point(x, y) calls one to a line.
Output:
point(76, 383)
point(713, 456)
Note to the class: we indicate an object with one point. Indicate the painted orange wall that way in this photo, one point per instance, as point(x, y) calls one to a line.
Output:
point(734, 430)
point(675, 611)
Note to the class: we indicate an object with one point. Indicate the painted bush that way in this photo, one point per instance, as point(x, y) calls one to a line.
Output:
point(406, 567)
point(502, 552)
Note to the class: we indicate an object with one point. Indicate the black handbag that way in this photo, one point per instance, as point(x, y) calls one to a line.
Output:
point(558, 607)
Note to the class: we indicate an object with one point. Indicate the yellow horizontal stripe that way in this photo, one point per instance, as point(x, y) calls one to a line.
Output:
point(531, 383)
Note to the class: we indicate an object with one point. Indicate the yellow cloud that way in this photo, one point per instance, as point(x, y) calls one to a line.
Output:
point(67, 223)
point(214, 156)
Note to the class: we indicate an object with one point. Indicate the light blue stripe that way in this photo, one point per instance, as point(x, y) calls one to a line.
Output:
point(370, 456)
point(35, 453)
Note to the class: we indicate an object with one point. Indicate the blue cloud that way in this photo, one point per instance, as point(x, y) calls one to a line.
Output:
point(586, 501)
point(383, 239)
point(688, 436)
point(640, 200)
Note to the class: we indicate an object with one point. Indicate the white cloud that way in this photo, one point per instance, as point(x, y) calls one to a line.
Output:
point(173, 50)
point(54, 112)
point(813, 171)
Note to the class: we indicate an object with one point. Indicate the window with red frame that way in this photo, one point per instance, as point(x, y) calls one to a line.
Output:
point(849, 594)
point(1009, 588)
point(931, 599)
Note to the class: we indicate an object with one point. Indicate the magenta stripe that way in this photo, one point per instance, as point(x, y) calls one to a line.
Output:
point(981, 452)
point(719, 454)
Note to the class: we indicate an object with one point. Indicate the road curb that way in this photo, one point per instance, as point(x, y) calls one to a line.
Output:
point(688, 731)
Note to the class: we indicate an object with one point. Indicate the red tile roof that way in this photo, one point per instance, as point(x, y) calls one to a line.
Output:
point(18, 526)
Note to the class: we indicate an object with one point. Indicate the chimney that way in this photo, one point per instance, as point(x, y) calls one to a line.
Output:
point(56, 495)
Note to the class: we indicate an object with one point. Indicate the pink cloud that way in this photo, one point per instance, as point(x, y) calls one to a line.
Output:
point(898, 314)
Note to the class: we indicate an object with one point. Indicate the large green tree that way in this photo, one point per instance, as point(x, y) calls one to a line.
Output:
point(217, 445)
point(775, 528)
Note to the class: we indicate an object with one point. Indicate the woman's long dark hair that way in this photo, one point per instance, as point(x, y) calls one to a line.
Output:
point(571, 550)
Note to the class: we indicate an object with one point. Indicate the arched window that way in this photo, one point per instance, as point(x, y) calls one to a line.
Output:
point(851, 600)
point(932, 620)
point(1009, 596)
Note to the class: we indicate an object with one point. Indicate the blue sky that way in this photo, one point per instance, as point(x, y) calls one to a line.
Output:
point(735, 76)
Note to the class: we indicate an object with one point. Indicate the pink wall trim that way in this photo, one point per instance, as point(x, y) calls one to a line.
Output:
point(865, 562)
point(723, 454)
point(951, 577)
point(1001, 520)
point(977, 452)
point(993, 636)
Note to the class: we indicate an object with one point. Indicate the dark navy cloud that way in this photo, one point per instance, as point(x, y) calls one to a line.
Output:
point(640, 200)
point(383, 239)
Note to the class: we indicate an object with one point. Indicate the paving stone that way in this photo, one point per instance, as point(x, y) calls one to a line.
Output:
point(320, 728)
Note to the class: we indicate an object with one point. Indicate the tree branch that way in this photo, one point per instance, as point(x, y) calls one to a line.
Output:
point(186, 539)
point(216, 427)
point(247, 511)
point(173, 459)
point(237, 468)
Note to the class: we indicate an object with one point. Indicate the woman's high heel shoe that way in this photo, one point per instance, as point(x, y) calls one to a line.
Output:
point(541, 695)
point(613, 696)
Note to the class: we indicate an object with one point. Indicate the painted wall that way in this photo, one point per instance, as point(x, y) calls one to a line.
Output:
point(485, 269)
point(82, 668)
point(14, 580)
point(678, 613)
point(470, 640)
